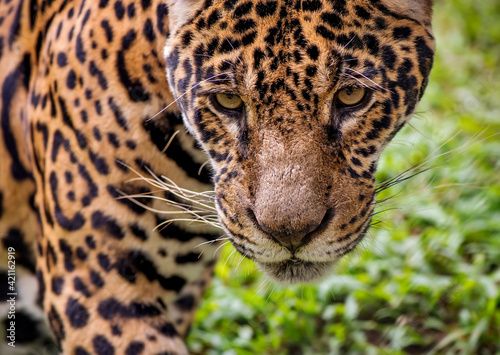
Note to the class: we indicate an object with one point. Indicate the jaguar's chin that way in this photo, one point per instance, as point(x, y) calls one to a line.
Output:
point(296, 271)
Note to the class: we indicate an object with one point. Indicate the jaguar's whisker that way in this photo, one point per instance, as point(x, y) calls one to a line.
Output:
point(180, 192)
point(339, 52)
point(202, 166)
point(241, 259)
point(220, 246)
point(212, 241)
point(367, 78)
point(207, 245)
point(157, 182)
point(384, 219)
point(165, 200)
point(186, 208)
point(359, 81)
point(393, 199)
point(225, 262)
point(403, 175)
point(349, 60)
point(190, 220)
point(185, 192)
point(264, 282)
point(212, 56)
point(384, 210)
point(228, 41)
point(269, 295)
point(414, 171)
point(170, 141)
point(185, 93)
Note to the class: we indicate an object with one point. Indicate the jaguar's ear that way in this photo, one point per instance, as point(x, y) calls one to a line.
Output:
point(180, 11)
point(420, 10)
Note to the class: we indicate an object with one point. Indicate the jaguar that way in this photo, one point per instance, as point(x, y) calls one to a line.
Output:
point(291, 102)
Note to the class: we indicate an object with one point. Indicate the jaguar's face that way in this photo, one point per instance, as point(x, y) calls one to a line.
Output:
point(294, 102)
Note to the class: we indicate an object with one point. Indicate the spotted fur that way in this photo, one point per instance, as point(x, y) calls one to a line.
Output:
point(86, 107)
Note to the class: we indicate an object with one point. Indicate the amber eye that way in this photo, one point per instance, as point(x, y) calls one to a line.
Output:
point(351, 96)
point(229, 101)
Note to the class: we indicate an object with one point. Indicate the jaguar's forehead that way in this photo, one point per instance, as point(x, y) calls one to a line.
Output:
point(241, 42)
point(240, 23)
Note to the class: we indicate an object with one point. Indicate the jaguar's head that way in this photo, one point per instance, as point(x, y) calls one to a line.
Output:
point(294, 101)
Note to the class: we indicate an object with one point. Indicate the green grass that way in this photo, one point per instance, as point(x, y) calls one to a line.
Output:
point(426, 280)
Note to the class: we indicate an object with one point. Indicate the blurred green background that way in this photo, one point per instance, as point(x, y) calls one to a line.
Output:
point(426, 279)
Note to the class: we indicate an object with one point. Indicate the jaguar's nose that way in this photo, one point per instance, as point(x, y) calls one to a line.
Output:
point(293, 230)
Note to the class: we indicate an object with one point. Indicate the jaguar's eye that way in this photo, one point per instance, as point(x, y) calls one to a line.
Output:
point(351, 96)
point(229, 101)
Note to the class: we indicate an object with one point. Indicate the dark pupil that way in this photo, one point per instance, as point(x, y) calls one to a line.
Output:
point(229, 96)
point(349, 91)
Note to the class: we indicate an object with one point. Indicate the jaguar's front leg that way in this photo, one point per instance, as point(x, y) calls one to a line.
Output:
point(111, 281)
point(112, 285)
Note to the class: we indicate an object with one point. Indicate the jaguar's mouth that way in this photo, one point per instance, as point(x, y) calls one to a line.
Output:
point(294, 271)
